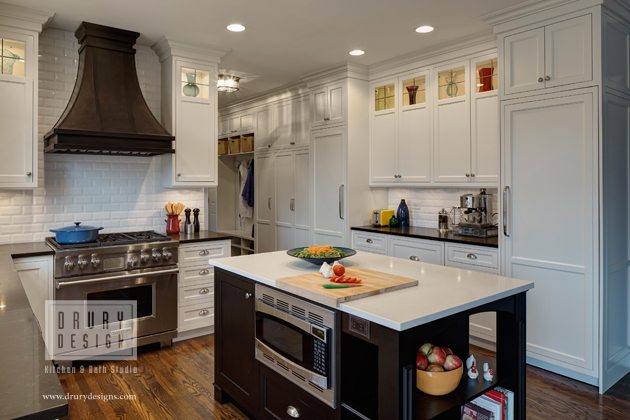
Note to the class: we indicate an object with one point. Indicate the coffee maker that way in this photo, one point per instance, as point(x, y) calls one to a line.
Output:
point(476, 215)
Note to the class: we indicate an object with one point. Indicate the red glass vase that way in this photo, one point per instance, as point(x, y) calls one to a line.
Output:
point(172, 223)
point(485, 79)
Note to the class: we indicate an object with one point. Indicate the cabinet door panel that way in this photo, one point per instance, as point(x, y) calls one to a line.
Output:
point(329, 178)
point(452, 142)
point(320, 106)
point(284, 188)
point(234, 124)
point(283, 134)
point(431, 252)
point(302, 122)
point(302, 203)
point(335, 104)
point(485, 141)
point(524, 61)
point(195, 157)
point(285, 237)
point(247, 122)
point(265, 237)
point(414, 145)
point(383, 167)
point(264, 122)
point(569, 52)
point(16, 135)
point(264, 190)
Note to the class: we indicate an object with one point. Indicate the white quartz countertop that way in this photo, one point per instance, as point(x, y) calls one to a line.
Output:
point(441, 291)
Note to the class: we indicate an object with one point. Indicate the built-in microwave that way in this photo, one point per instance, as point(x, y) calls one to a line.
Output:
point(296, 339)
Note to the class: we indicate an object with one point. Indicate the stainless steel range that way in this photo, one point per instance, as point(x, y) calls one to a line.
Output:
point(140, 266)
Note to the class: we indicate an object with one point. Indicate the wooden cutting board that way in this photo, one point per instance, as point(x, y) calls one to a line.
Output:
point(373, 282)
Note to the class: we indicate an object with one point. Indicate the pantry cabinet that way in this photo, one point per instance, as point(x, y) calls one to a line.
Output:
point(18, 108)
point(556, 54)
point(189, 112)
point(328, 105)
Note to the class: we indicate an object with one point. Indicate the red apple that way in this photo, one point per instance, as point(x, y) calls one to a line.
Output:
point(425, 348)
point(434, 367)
point(421, 361)
point(437, 355)
point(447, 350)
point(452, 362)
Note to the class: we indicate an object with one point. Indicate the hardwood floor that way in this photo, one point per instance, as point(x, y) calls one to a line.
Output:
point(176, 383)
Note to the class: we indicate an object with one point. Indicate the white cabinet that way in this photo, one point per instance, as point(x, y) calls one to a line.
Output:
point(554, 55)
point(329, 177)
point(370, 242)
point(559, 134)
point(18, 108)
point(224, 126)
point(189, 112)
point(418, 250)
point(264, 126)
point(302, 121)
point(328, 106)
point(36, 276)
point(196, 287)
point(292, 204)
point(237, 123)
point(264, 198)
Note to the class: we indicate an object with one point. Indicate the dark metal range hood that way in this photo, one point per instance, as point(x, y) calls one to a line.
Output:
point(107, 114)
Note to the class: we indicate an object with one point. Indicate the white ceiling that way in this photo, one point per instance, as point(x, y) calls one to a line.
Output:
point(285, 39)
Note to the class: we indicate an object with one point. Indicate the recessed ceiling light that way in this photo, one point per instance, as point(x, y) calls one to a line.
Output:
point(235, 27)
point(424, 29)
point(356, 52)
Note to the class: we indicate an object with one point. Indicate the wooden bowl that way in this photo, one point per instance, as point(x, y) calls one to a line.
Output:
point(438, 383)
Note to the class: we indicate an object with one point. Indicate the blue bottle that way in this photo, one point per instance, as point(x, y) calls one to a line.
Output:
point(402, 214)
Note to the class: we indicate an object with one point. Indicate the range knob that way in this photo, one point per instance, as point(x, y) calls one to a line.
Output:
point(132, 262)
point(95, 261)
point(68, 264)
point(82, 262)
point(156, 255)
point(144, 257)
point(166, 254)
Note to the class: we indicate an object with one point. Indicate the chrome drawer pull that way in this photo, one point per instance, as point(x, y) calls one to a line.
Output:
point(204, 272)
point(369, 241)
point(293, 412)
point(204, 252)
point(204, 291)
point(471, 256)
point(414, 258)
point(248, 295)
point(204, 312)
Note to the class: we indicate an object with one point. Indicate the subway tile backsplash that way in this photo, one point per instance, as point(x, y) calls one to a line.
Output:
point(118, 193)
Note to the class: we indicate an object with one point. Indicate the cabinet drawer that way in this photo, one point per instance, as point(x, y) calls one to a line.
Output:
point(478, 257)
point(197, 274)
point(195, 316)
point(369, 242)
point(200, 253)
point(200, 293)
point(281, 397)
point(419, 250)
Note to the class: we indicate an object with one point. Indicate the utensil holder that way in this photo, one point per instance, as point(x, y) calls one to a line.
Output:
point(172, 224)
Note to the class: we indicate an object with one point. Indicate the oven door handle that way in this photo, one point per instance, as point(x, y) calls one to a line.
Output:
point(62, 284)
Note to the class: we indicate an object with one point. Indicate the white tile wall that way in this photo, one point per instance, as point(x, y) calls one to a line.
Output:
point(118, 193)
point(425, 203)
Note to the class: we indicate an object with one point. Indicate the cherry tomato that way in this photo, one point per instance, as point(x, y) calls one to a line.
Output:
point(339, 270)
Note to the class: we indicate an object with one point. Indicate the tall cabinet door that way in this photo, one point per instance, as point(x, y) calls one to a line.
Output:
point(485, 142)
point(329, 177)
point(568, 52)
point(550, 176)
point(264, 204)
point(264, 123)
point(285, 198)
point(524, 63)
point(301, 201)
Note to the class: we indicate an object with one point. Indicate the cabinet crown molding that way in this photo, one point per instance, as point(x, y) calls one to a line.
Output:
point(23, 17)
point(336, 73)
point(167, 47)
point(507, 19)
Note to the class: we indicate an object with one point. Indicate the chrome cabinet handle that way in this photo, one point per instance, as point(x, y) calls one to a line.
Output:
point(204, 272)
point(341, 187)
point(29, 173)
point(506, 193)
point(269, 203)
point(293, 412)
point(204, 252)
point(248, 295)
point(472, 175)
point(547, 78)
point(292, 204)
point(326, 118)
point(471, 256)
point(467, 175)
point(204, 291)
point(204, 312)
point(179, 175)
point(292, 143)
point(369, 241)
point(540, 80)
point(414, 258)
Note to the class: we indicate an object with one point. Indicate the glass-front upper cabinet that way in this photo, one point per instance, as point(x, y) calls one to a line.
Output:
point(12, 55)
point(486, 75)
point(384, 97)
point(452, 82)
point(414, 90)
point(195, 83)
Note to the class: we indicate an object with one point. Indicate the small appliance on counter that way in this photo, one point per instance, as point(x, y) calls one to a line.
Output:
point(476, 216)
point(381, 217)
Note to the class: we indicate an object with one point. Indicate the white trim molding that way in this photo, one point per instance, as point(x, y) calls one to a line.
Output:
point(23, 18)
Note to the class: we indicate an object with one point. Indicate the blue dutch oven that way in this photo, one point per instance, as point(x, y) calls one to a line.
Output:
point(76, 234)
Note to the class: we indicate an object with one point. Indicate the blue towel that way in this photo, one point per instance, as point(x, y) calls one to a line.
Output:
point(248, 189)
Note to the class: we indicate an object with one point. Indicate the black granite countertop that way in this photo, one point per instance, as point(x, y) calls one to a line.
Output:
point(203, 236)
point(428, 233)
point(25, 374)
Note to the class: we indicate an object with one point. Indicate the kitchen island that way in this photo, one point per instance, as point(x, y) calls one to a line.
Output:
point(375, 338)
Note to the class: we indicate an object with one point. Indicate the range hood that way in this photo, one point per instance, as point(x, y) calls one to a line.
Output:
point(107, 114)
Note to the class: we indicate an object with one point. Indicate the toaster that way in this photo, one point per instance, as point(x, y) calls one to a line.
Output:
point(381, 217)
